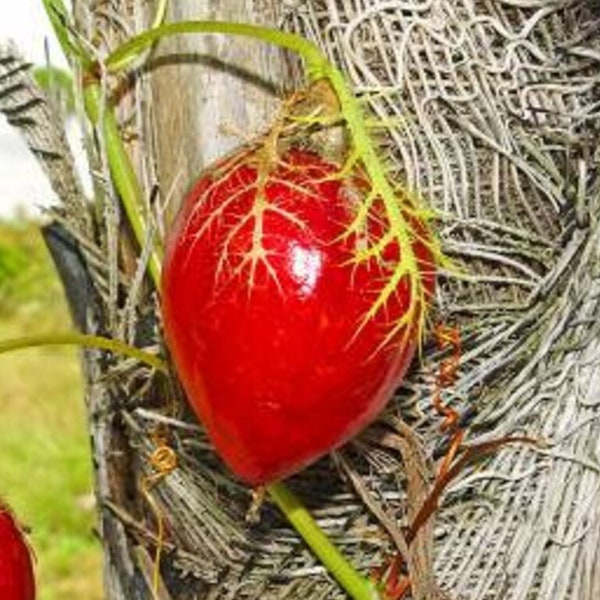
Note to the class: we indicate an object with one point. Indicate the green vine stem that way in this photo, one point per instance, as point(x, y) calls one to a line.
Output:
point(56, 11)
point(83, 340)
point(101, 114)
point(121, 169)
point(319, 67)
point(357, 586)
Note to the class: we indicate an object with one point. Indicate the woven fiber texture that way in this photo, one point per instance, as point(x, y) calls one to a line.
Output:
point(491, 112)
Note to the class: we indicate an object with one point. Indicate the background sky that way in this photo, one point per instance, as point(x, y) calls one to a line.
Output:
point(22, 182)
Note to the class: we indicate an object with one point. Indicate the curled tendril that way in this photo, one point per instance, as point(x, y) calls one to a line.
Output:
point(163, 460)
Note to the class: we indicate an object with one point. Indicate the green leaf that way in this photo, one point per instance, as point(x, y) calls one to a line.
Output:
point(59, 85)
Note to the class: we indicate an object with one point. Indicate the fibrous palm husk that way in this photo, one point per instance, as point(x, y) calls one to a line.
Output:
point(491, 113)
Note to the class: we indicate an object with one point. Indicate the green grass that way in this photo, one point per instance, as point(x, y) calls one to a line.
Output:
point(45, 469)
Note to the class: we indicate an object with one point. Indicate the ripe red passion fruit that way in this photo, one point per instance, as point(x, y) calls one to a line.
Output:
point(264, 305)
point(16, 569)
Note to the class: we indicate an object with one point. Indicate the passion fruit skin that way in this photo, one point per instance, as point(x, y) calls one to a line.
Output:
point(264, 304)
point(17, 580)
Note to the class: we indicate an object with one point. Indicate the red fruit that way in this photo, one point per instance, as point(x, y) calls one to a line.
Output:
point(264, 308)
point(16, 570)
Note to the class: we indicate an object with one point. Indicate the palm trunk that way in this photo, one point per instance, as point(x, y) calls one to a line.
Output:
point(484, 120)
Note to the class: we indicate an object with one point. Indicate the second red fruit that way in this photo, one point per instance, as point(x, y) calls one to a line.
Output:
point(16, 569)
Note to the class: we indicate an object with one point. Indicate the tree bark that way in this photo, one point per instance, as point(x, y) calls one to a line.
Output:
point(221, 90)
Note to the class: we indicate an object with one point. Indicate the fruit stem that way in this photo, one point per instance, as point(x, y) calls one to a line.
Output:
point(81, 339)
point(334, 561)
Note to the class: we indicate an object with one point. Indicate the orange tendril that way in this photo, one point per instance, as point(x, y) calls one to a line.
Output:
point(163, 460)
point(448, 339)
point(395, 584)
